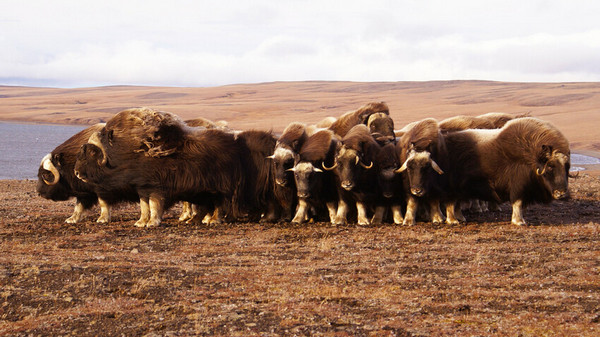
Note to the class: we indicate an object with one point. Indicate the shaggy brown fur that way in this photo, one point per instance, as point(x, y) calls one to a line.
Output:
point(206, 123)
point(498, 119)
point(458, 123)
point(359, 116)
point(381, 127)
point(293, 136)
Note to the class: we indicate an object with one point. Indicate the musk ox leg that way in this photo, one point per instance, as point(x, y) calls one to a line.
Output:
point(186, 211)
point(476, 206)
point(213, 218)
point(458, 214)
point(517, 213)
point(450, 214)
point(301, 212)
point(332, 211)
point(144, 213)
point(156, 211)
point(77, 212)
point(362, 214)
point(436, 213)
point(397, 214)
point(341, 214)
point(104, 212)
point(378, 216)
point(411, 211)
point(494, 206)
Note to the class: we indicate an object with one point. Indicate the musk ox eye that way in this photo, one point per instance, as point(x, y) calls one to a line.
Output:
point(48, 176)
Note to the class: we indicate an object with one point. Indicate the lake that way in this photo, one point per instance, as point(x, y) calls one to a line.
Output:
point(24, 146)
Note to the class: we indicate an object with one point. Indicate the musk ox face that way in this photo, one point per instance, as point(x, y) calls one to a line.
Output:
point(348, 165)
point(307, 177)
point(284, 160)
point(50, 185)
point(553, 171)
point(90, 163)
point(418, 167)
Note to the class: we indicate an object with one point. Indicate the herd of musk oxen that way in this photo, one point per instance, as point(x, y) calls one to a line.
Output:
point(356, 168)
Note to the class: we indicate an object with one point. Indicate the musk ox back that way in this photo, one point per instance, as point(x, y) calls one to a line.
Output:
point(57, 180)
point(164, 161)
point(360, 116)
point(458, 123)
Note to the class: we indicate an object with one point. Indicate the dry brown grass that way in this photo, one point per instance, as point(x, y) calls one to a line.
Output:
point(485, 277)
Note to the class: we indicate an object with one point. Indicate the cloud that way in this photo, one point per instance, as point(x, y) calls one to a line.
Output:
point(187, 43)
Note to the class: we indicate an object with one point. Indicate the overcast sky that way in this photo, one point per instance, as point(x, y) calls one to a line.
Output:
point(65, 43)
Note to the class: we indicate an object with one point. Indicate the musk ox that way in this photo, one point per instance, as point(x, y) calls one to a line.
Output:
point(262, 193)
point(389, 183)
point(57, 180)
point(423, 155)
point(316, 186)
point(360, 116)
point(354, 168)
point(381, 127)
point(526, 161)
point(285, 155)
point(161, 158)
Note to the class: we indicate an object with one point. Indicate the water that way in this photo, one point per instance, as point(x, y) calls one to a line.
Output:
point(22, 147)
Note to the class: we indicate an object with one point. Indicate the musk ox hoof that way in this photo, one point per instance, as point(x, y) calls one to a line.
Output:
point(408, 222)
point(102, 220)
point(153, 223)
point(140, 223)
point(519, 223)
point(452, 222)
point(73, 219)
point(363, 222)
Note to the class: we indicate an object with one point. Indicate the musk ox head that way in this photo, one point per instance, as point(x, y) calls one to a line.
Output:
point(418, 167)
point(553, 171)
point(283, 159)
point(387, 178)
point(307, 177)
point(348, 165)
point(50, 185)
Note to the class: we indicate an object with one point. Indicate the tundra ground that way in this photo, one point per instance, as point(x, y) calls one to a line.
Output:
point(485, 277)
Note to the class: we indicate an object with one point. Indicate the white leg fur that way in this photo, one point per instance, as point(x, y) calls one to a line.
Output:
point(300, 212)
point(104, 212)
point(397, 214)
point(156, 211)
point(144, 213)
point(517, 213)
point(362, 214)
point(450, 216)
point(186, 211)
point(77, 212)
point(341, 215)
point(411, 211)
point(332, 211)
point(436, 213)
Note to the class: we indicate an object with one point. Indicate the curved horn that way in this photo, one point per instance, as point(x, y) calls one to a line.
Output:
point(402, 168)
point(574, 175)
point(293, 169)
point(435, 166)
point(365, 166)
point(270, 157)
point(537, 171)
point(49, 166)
point(95, 140)
point(328, 168)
